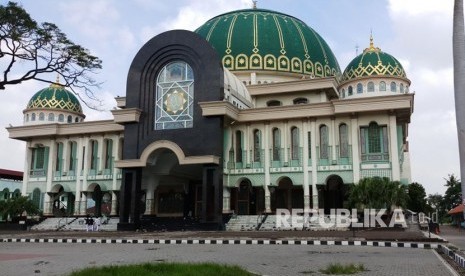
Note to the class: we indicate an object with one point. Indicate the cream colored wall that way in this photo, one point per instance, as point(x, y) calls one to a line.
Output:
point(288, 98)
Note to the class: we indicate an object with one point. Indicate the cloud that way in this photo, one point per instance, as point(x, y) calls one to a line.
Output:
point(193, 15)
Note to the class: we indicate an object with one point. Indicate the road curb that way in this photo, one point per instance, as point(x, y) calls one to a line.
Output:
point(229, 241)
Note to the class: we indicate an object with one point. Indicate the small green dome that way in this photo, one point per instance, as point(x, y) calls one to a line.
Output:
point(373, 62)
point(257, 39)
point(55, 97)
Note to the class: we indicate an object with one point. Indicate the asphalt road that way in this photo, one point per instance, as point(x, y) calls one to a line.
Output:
point(62, 258)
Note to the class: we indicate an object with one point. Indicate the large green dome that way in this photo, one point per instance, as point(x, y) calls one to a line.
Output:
point(55, 97)
point(257, 39)
point(373, 62)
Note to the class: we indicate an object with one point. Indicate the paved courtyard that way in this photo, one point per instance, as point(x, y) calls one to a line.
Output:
point(62, 258)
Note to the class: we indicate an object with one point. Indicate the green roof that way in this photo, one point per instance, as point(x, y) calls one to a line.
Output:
point(257, 39)
point(373, 62)
point(55, 97)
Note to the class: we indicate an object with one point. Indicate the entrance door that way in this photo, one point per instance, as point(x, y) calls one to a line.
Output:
point(334, 193)
point(243, 198)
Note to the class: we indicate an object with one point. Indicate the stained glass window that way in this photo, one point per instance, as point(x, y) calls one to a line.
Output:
point(175, 96)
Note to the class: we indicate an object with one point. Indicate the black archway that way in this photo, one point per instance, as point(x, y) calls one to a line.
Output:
point(334, 193)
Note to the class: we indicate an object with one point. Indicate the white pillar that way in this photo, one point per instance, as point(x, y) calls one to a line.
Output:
point(50, 168)
point(332, 134)
point(226, 200)
point(114, 203)
point(27, 166)
point(150, 194)
point(83, 203)
point(285, 135)
point(247, 143)
point(305, 165)
point(313, 130)
point(394, 149)
point(266, 166)
point(115, 183)
point(355, 148)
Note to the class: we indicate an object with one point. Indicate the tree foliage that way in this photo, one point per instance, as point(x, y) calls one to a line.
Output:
point(378, 193)
point(417, 198)
point(16, 206)
point(31, 50)
point(453, 195)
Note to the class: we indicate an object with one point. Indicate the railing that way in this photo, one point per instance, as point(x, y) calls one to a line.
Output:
point(324, 155)
point(277, 157)
point(295, 156)
point(344, 157)
point(37, 172)
point(375, 157)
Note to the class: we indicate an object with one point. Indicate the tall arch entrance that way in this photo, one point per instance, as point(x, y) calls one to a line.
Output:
point(334, 193)
point(247, 199)
point(287, 195)
point(170, 187)
point(62, 201)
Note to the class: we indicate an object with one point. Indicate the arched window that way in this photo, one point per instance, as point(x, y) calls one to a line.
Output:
point(33, 117)
point(393, 87)
point(359, 88)
point(343, 93)
point(70, 119)
point(276, 144)
point(343, 141)
point(76, 120)
point(371, 87)
point(295, 143)
point(51, 117)
point(36, 196)
point(5, 194)
point(401, 88)
point(175, 106)
point(273, 103)
point(324, 142)
point(108, 154)
point(256, 145)
point(351, 91)
point(61, 118)
point(238, 146)
point(374, 143)
point(300, 101)
point(41, 116)
point(382, 86)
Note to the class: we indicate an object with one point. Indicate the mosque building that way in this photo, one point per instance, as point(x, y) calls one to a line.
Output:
point(247, 114)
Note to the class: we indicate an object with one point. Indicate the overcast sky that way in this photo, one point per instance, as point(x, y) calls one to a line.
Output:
point(417, 32)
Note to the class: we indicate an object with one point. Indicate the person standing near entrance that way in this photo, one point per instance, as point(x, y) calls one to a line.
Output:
point(89, 223)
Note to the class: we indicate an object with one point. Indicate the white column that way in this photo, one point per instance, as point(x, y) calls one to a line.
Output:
point(266, 166)
point(50, 168)
point(83, 203)
point(284, 144)
point(150, 194)
point(27, 166)
point(247, 143)
point(332, 134)
point(305, 165)
point(354, 130)
point(226, 200)
point(114, 203)
point(115, 183)
point(65, 156)
point(394, 149)
point(313, 130)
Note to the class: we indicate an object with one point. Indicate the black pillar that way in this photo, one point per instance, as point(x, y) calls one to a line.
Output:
point(129, 199)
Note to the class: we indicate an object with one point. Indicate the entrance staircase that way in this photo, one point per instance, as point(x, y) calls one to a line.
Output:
point(245, 222)
point(74, 224)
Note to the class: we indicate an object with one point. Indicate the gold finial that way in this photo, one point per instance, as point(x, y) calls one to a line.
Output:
point(254, 4)
point(57, 83)
point(372, 47)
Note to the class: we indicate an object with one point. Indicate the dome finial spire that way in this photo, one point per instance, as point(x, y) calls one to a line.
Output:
point(57, 82)
point(371, 40)
point(254, 4)
point(372, 47)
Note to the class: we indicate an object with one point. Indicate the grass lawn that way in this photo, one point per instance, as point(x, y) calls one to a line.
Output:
point(340, 269)
point(177, 269)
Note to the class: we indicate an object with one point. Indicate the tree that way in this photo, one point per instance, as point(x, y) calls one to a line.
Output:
point(458, 40)
point(417, 197)
point(436, 204)
point(453, 195)
point(16, 206)
point(41, 49)
point(378, 193)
